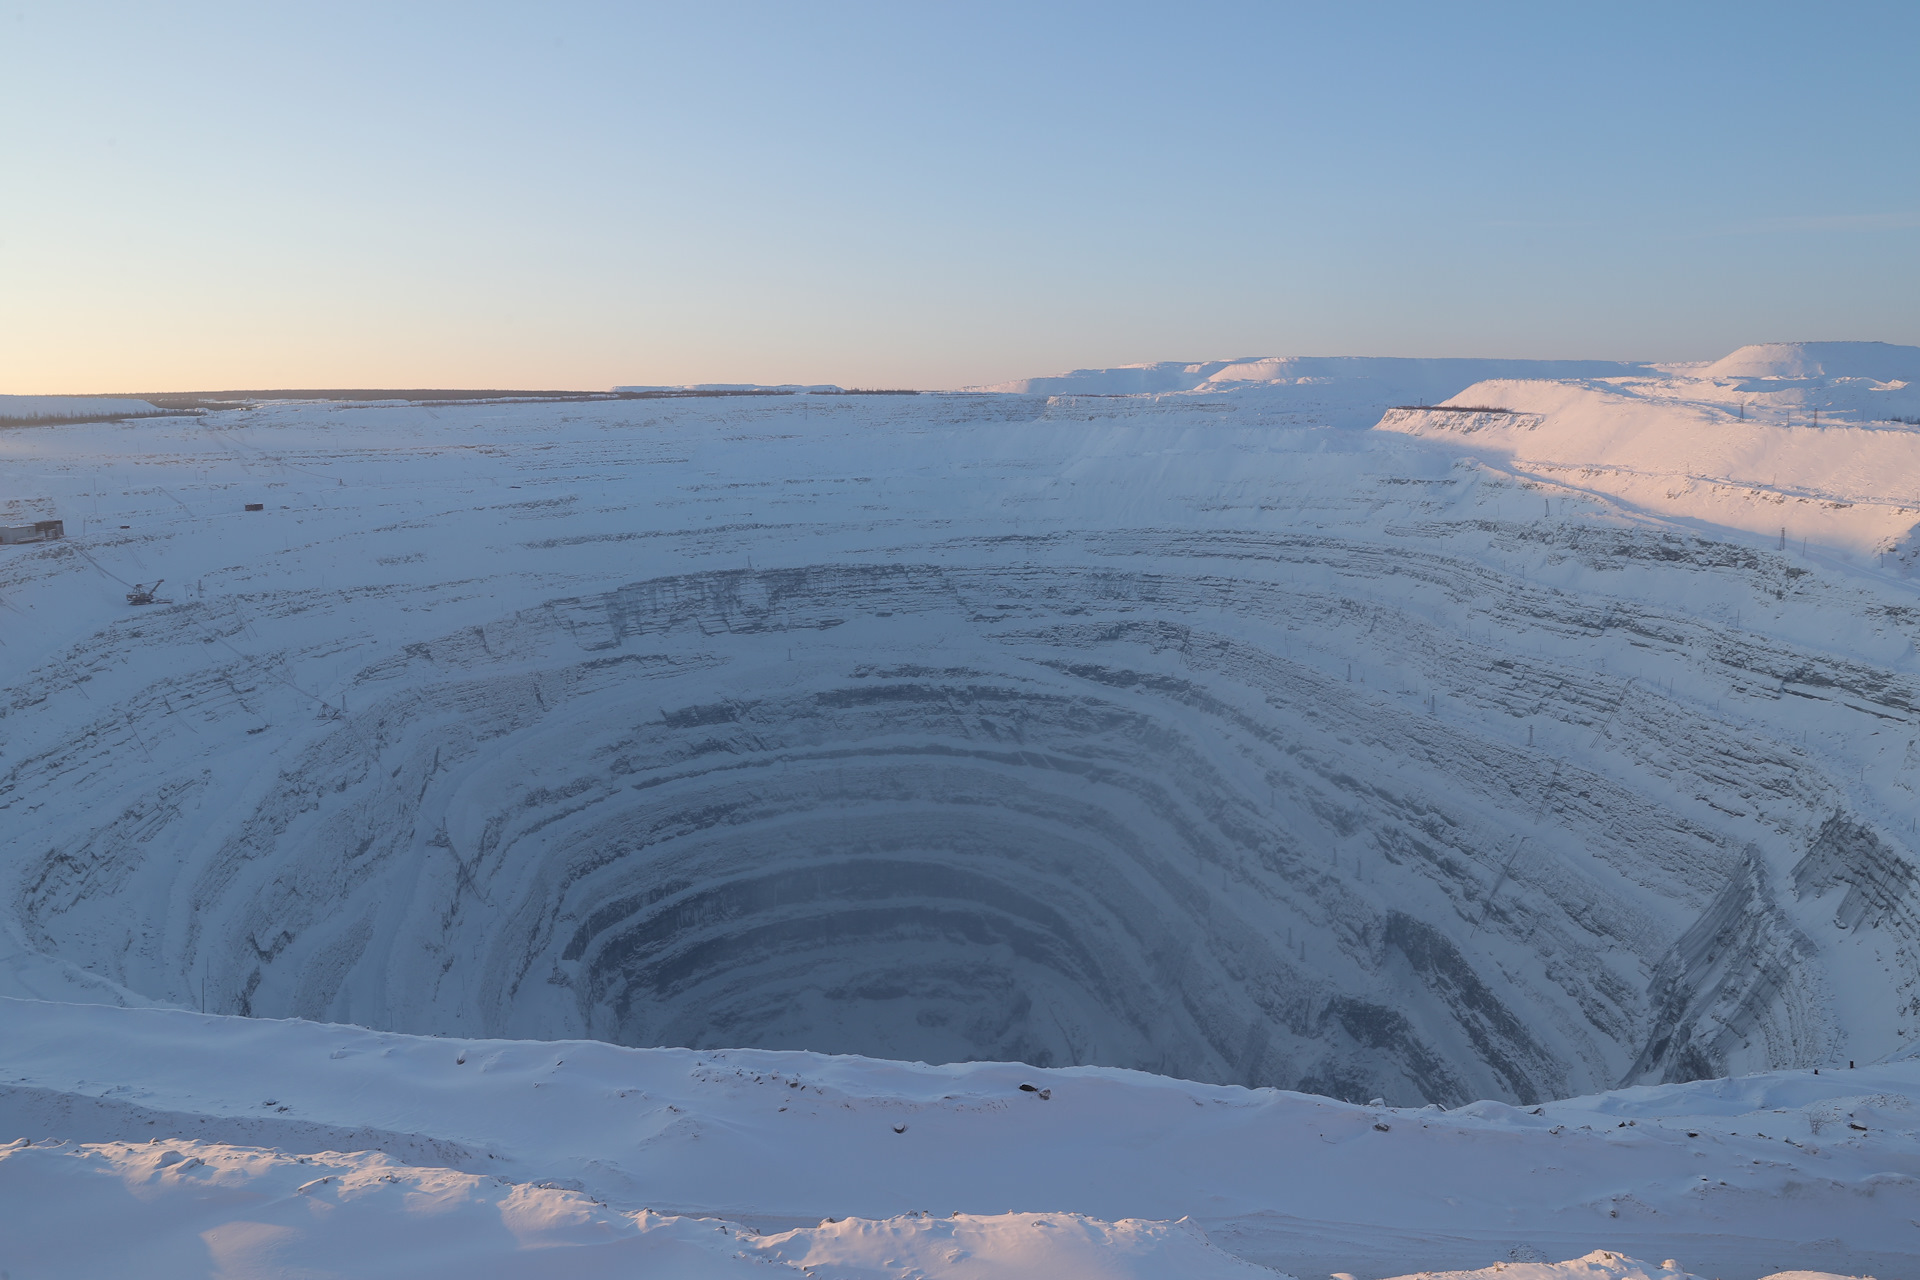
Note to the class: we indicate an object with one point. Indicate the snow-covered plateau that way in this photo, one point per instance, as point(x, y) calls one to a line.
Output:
point(1553, 736)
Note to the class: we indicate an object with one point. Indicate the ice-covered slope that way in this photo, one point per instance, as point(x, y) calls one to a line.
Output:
point(1808, 441)
point(1325, 391)
point(475, 1153)
point(1257, 371)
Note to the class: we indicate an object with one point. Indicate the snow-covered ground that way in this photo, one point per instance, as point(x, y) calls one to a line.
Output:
point(1332, 391)
point(1511, 756)
point(1814, 442)
point(244, 1143)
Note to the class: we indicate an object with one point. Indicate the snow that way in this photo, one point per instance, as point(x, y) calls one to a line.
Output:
point(1601, 1264)
point(1804, 438)
point(1496, 756)
point(1876, 361)
point(1334, 391)
point(476, 1151)
point(1258, 371)
point(947, 706)
point(200, 1209)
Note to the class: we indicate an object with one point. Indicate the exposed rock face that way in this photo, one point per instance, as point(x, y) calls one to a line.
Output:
point(1882, 886)
point(1382, 781)
point(1739, 974)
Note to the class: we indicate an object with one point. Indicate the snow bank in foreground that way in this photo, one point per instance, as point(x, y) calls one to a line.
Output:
point(55, 408)
point(489, 1149)
point(193, 1208)
point(186, 1209)
point(1601, 1264)
point(246, 1211)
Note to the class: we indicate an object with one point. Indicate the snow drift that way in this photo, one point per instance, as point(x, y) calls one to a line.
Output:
point(1874, 361)
point(1335, 391)
point(329, 1147)
point(1259, 371)
point(1796, 440)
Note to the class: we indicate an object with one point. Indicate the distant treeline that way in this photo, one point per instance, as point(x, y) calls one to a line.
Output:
point(205, 401)
point(700, 393)
point(193, 401)
point(76, 420)
point(190, 400)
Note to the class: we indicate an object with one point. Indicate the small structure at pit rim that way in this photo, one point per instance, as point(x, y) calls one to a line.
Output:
point(38, 531)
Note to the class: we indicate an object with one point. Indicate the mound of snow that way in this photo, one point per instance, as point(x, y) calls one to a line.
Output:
point(1800, 458)
point(1440, 377)
point(1348, 392)
point(1601, 1264)
point(1880, 361)
point(1126, 379)
point(55, 408)
point(177, 1206)
point(1041, 1170)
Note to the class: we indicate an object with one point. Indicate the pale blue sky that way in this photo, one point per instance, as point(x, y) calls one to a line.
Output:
point(244, 195)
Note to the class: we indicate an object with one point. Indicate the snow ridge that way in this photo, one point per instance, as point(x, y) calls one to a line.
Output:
point(680, 1159)
point(1253, 371)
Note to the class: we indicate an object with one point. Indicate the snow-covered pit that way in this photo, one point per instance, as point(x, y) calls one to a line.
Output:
point(900, 811)
point(1052, 816)
point(961, 728)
